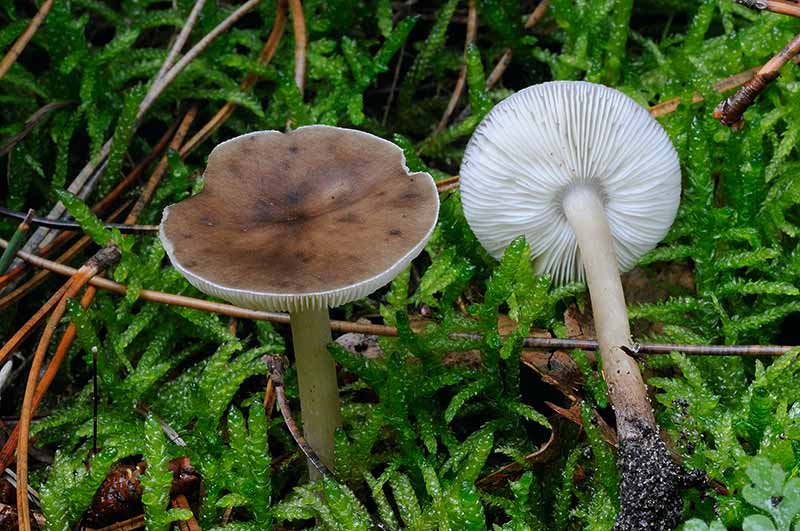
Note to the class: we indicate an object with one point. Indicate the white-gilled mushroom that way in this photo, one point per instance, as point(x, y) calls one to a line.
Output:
point(303, 221)
point(592, 182)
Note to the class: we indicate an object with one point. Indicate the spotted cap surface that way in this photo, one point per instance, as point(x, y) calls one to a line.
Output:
point(316, 217)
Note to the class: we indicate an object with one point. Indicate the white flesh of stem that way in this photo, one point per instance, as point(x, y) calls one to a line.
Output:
point(586, 214)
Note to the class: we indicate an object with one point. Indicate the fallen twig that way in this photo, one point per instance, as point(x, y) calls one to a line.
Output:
point(774, 6)
point(140, 168)
point(383, 330)
point(42, 274)
point(22, 40)
point(472, 30)
point(191, 524)
point(28, 327)
point(72, 225)
point(731, 110)
point(505, 58)
point(100, 261)
point(158, 172)
point(15, 241)
point(31, 122)
point(393, 87)
point(169, 431)
point(181, 39)
point(729, 83)
point(131, 524)
point(300, 42)
point(276, 366)
point(267, 53)
point(160, 84)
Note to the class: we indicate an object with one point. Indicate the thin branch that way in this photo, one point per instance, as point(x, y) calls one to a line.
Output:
point(300, 42)
point(783, 8)
point(22, 40)
point(180, 41)
point(159, 85)
point(671, 105)
point(537, 15)
point(267, 53)
point(383, 330)
point(42, 235)
point(155, 177)
point(442, 188)
point(505, 58)
point(7, 451)
point(271, 46)
point(97, 263)
point(393, 87)
point(174, 437)
point(472, 30)
point(731, 110)
point(774, 6)
point(446, 182)
point(42, 275)
point(129, 179)
point(191, 524)
point(16, 240)
point(28, 327)
point(499, 69)
point(32, 121)
point(276, 364)
point(131, 524)
point(74, 226)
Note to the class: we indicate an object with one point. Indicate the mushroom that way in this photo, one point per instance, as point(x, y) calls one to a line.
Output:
point(593, 182)
point(302, 221)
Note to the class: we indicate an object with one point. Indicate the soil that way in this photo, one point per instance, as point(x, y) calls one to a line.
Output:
point(650, 498)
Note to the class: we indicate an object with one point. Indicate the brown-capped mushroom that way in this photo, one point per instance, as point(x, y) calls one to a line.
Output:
point(303, 221)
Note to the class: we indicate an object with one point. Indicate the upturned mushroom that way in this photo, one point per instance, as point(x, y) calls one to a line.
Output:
point(302, 221)
point(593, 182)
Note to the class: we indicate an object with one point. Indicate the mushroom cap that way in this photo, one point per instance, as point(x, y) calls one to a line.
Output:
point(316, 217)
point(537, 144)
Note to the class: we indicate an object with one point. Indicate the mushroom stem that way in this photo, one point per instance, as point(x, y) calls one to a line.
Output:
point(586, 214)
point(316, 376)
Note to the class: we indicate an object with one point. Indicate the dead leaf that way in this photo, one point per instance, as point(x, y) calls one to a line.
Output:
point(548, 451)
point(573, 414)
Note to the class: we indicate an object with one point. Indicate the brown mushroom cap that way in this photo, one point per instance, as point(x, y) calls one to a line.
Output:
point(316, 217)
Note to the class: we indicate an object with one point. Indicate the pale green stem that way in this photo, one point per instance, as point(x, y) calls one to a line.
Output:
point(316, 376)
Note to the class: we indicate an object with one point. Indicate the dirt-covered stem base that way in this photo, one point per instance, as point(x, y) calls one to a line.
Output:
point(648, 490)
